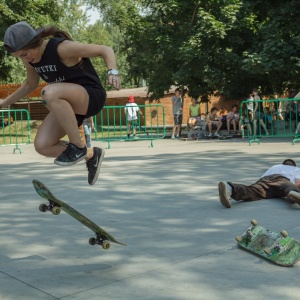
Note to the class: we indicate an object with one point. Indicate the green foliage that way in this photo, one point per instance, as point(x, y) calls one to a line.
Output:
point(274, 55)
point(228, 46)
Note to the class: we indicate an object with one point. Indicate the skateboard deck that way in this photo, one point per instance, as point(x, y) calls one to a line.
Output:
point(55, 205)
point(276, 247)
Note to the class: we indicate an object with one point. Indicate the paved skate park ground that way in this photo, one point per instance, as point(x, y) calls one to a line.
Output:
point(163, 202)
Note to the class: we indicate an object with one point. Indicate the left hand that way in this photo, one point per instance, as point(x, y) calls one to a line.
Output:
point(114, 81)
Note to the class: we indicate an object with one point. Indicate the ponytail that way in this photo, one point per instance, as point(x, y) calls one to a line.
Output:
point(47, 32)
point(55, 32)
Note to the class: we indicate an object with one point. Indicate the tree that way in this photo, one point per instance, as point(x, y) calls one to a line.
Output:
point(274, 57)
point(229, 46)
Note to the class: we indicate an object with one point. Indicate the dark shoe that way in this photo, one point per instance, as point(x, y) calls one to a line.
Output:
point(294, 197)
point(71, 155)
point(224, 194)
point(93, 165)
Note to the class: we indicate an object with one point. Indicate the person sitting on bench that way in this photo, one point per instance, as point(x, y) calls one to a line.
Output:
point(213, 120)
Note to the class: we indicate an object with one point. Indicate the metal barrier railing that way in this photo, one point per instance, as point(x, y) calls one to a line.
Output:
point(112, 124)
point(272, 118)
point(15, 128)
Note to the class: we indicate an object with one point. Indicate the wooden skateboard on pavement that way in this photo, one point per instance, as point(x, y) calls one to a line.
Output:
point(55, 205)
point(276, 247)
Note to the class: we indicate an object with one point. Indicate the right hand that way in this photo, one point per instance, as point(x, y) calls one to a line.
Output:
point(114, 81)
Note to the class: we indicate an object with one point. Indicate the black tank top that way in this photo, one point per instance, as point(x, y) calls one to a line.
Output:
point(52, 70)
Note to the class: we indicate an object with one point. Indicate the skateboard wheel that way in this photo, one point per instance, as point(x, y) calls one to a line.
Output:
point(268, 251)
point(238, 238)
point(92, 241)
point(253, 222)
point(284, 233)
point(55, 210)
point(106, 245)
point(43, 207)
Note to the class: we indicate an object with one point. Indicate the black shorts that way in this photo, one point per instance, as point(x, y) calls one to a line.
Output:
point(177, 119)
point(97, 97)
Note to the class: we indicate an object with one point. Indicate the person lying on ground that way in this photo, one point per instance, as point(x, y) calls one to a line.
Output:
point(281, 180)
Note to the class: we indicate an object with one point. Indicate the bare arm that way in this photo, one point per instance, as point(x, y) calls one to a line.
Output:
point(71, 52)
point(25, 89)
point(208, 119)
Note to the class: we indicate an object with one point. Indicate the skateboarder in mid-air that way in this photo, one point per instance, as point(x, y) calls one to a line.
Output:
point(74, 91)
point(281, 180)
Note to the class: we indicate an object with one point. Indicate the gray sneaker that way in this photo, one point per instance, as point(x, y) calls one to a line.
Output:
point(294, 197)
point(93, 165)
point(224, 193)
point(71, 155)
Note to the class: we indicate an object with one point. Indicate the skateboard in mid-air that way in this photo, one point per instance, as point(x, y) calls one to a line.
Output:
point(55, 206)
point(276, 247)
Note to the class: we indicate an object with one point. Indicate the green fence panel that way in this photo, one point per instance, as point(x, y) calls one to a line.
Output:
point(15, 128)
point(273, 118)
point(112, 124)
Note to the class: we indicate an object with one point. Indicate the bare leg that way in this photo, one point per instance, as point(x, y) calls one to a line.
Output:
point(64, 100)
point(254, 127)
point(47, 141)
point(174, 129)
point(264, 126)
point(209, 127)
point(178, 129)
point(219, 126)
point(228, 124)
point(234, 124)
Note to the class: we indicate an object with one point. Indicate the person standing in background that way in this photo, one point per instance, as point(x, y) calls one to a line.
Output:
point(258, 113)
point(177, 113)
point(131, 109)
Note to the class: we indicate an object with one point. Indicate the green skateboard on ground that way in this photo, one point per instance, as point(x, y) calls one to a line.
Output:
point(276, 247)
point(55, 205)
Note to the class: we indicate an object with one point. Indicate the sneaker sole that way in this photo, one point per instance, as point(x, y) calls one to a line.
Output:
point(294, 199)
point(61, 163)
point(222, 194)
point(98, 167)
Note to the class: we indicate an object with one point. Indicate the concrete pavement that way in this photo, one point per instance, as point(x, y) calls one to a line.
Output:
point(161, 201)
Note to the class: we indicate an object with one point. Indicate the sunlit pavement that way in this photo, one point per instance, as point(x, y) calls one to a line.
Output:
point(163, 202)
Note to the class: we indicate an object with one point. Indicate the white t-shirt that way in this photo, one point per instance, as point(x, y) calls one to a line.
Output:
point(250, 104)
point(290, 172)
point(131, 109)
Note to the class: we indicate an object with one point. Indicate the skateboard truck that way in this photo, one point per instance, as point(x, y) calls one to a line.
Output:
point(247, 235)
point(276, 247)
point(51, 207)
point(99, 240)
